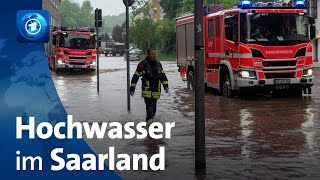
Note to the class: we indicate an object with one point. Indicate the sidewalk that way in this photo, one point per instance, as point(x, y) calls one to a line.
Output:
point(316, 64)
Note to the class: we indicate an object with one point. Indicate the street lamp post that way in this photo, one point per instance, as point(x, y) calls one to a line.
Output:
point(200, 159)
point(128, 3)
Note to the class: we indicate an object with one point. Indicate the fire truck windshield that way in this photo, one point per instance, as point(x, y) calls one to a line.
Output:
point(271, 29)
point(78, 41)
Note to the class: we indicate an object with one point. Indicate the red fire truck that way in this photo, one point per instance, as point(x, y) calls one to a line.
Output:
point(263, 46)
point(72, 48)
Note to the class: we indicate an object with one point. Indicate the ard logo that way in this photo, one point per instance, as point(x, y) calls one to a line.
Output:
point(33, 26)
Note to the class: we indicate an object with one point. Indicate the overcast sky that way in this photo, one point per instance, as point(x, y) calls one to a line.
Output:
point(109, 7)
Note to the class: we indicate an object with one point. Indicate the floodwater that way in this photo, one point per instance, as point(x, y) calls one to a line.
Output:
point(261, 138)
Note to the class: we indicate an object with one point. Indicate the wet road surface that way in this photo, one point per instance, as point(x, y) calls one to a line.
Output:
point(262, 138)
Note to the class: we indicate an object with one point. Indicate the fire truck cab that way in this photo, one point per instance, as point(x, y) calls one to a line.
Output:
point(72, 49)
point(262, 46)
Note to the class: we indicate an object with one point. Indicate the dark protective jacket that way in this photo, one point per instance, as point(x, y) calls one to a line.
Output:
point(152, 76)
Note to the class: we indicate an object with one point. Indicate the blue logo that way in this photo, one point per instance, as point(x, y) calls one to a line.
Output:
point(33, 26)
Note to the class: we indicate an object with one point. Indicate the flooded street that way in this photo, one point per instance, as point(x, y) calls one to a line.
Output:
point(263, 138)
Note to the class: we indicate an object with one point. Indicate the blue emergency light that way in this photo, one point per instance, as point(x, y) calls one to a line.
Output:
point(245, 3)
point(300, 4)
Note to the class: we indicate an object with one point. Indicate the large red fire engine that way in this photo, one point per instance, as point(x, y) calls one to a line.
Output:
point(254, 46)
point(72, 48)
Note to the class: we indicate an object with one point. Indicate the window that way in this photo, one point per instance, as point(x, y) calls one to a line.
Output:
point(231, 27)
point(210, 28)
point(51, 21)
point(218, 27)
point(271, 29)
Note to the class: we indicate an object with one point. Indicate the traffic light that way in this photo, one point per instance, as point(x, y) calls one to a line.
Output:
point(98, 18)
point(130, 2)
point(312, 20)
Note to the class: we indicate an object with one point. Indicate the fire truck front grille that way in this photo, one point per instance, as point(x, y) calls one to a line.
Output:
point(279, 75)
point(77, 63)
point(78, 57)
point(279, 63)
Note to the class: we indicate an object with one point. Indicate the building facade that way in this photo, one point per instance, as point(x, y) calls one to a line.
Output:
point(53, 6)
point(314, 12)
point(156, 12)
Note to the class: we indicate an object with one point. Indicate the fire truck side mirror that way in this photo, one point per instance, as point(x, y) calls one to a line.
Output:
point(312, 28)
point(312, 32)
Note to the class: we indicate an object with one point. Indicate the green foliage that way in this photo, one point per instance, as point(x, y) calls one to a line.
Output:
point(147, 32)
point(143, 33)
point(171, 8)
point(142, 7)
point(161, 56)
point(175, 8)
point(109, 22)
point(105, 37)
point(165, 36)
point(118, 33)
point(74, 15)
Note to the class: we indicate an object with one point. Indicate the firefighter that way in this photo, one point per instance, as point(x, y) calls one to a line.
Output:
point(152, 75)
point(287, 31)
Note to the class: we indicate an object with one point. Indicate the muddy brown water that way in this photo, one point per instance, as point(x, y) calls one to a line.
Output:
point(261, 138)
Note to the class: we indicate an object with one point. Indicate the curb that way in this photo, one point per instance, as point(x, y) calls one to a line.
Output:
point(316, 64)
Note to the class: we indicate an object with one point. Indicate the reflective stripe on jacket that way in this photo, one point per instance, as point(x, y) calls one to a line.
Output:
point(152, 76)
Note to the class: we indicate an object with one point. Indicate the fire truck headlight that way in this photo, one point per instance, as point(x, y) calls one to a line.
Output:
point(61, 61)
point(247, 74)
point(93, 63)
point(307, 72)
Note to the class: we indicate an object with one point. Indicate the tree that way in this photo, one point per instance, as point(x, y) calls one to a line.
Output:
point(165, 36)
point(105, 37)
point(86, 16)
point(170, 8)
point(74, 15)
point(118, 33)
point(175, 8)
point(69, 13)
point(143, 33)
point(146, 32)
point(143, 25)
point(111, 21)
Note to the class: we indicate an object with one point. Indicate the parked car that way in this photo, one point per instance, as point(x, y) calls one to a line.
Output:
point(134, 55)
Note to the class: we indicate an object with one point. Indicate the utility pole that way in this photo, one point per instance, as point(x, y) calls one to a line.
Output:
point(128, 3)
point(200, 148)
point(98, 23)
point(128, 58)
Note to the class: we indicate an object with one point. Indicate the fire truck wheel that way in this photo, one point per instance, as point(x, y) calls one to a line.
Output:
point(295, 92)
point(190, 81)
point(56, 70)
point(226, 87)
point(50, 66)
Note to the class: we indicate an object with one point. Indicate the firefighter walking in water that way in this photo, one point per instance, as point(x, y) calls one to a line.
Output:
point(152, 75)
